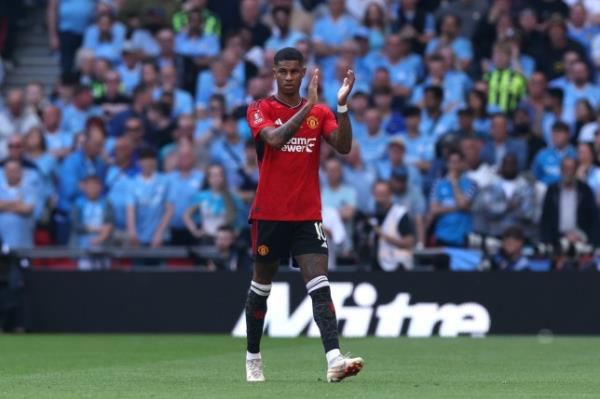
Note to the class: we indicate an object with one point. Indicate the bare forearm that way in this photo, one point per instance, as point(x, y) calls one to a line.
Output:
point(278, 137)
point(131, 222)
point(164, 223)
point(420, 229)
point(341, 139)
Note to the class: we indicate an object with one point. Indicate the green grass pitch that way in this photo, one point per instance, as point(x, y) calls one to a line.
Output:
point(199, 366)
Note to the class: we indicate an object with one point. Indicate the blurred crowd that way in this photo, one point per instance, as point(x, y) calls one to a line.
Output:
point(469, 116)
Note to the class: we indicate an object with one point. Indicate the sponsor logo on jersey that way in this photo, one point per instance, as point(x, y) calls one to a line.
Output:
point(361, 314)
point(299, 144)
point(263, 250)
point(312, 122)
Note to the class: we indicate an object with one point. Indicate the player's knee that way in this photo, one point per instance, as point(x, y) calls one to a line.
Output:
point(263, 273)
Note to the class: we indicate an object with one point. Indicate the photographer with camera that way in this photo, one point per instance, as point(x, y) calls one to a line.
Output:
point(395, 233)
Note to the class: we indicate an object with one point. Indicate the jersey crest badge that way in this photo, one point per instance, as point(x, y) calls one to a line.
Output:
point(263, 250)
point(312, 122)
point(257, 117)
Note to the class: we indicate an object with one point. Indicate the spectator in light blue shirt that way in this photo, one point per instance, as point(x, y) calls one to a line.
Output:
point(396, 158)
point(36, 152)
point(185, 183)
point(411, 197)
point(374, 144)
point(449, 36)
point(450, 204)
point(361, 176)
point(16, 208)
point(404, 66)
point(213, 207)
point(228, 151)
point(118, 183)
point(193, 42)
point(130, 69)
point(477, 102)
point(391, 120)
point(554, 100)
point(76, 115)
point(183, 101)
point(330, 32)
point(72, 17)
point(283, 35)
point(92, 215)
point(340, 196)
point(74, 168)
point(455, 84)
point(58, 142)
point(359, 102)
point(546, 165)
point(218, 80)
point(580, 27)
point(150, 208)
point(105, 38)
point(579, 88)
point(434, 122)
point(420, 150)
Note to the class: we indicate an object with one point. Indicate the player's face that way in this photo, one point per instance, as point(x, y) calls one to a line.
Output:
point(288, 75)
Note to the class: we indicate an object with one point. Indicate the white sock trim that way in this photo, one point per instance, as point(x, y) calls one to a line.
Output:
point(316, 283)
point(252, 356)
point(260, 289)
point(332, 354)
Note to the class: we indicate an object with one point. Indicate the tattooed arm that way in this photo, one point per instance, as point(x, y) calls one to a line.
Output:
point(341, 138)
point(278, 136)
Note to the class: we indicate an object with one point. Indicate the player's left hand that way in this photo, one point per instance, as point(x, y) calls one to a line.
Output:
point(344, 91)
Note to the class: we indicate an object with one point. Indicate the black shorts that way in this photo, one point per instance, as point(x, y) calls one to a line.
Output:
point(275, 240)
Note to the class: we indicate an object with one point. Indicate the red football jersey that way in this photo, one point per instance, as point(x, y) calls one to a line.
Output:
point(288, 183)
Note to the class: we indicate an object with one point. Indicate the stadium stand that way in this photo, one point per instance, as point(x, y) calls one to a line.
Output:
point(122, 126)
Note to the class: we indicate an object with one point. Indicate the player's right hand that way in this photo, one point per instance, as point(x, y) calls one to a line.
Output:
point(313, 88)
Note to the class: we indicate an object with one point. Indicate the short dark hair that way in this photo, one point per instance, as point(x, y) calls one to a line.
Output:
point(466, 112)
point(382, 90)
point(288, 54)
point(411, 111)
point(147, 152)
point(437, 91)
point(80, 89)
point(226, 227)
point(556, 93)
point(560, 126)
point(514, 232)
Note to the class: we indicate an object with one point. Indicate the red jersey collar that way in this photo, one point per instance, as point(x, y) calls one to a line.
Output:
point(301, 103)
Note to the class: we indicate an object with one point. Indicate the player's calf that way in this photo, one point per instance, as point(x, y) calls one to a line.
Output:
point(338, 365)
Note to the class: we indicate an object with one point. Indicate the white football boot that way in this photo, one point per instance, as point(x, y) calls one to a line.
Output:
point(254, 370)
point(344, 366)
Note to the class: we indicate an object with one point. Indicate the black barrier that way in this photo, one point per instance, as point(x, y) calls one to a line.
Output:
point(414, 304)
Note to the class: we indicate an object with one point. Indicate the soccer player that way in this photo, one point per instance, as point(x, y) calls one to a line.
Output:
point(286, 213)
